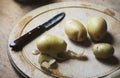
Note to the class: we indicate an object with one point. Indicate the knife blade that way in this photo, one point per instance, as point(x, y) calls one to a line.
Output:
point(19, 43)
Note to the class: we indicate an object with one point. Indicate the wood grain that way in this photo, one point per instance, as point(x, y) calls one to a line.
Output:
point(81, 11)
point(11, 12)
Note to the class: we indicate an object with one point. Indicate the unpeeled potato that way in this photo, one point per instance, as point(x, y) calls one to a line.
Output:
point(97, 28)
point(75, 30)
point(103, 50)
point(51, 45)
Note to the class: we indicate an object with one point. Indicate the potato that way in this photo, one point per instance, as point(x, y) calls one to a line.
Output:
point(97, 28)
point(103, 50)
point(51, 45)
point(75, 30)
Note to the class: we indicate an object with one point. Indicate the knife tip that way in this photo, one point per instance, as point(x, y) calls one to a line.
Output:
point(12, 44)
point(62, 13)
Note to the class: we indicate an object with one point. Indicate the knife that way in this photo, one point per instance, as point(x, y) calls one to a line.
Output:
point(19, 43)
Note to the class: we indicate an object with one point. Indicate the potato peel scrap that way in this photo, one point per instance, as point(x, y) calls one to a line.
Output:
point(36, 52)
point(52, 61)
point(75, 55)
point(47, 62)
point(45, 65)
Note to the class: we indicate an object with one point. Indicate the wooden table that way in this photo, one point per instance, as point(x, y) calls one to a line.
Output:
point(11, 12)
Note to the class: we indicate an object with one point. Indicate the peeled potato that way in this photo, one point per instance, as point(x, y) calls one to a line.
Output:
point(51, 45)
point(97, 28)
point(103, 50)
point(75, 30)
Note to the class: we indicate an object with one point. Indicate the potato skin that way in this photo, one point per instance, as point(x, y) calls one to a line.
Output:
point(75, 30)
point(97, 28)
point(51, 45)
point(103, 50)
point(43, 58)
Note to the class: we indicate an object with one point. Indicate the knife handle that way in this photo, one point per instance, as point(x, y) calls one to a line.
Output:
point(19, 43)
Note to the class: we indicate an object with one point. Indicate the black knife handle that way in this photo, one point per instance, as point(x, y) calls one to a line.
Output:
point(19, 43)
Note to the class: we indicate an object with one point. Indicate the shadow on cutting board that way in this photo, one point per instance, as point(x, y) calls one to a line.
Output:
point(112, 61)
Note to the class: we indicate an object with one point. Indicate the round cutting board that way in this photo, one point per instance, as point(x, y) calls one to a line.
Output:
point(89, 66)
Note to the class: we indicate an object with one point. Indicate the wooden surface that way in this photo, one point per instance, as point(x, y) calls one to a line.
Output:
point(10, 13)
point(81, 11)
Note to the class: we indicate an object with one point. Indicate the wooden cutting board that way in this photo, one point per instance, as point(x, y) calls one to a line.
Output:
point(89, 67)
